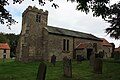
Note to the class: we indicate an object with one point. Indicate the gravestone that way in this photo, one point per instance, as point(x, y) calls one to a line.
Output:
point(98, 64)
point(92, 59)
point(41, 71)
point(101, 54)
point(116, 55)
point(53, 59)
point(67, 67)
point(95, 47)
point(80, 58)
point(97, 55)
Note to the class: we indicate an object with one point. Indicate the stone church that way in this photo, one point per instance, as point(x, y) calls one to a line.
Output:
point(38, 41)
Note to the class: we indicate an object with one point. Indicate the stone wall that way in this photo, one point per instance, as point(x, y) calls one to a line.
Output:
point(107, 51)
point(55, 46)
point(2, 53)
point(82, 52)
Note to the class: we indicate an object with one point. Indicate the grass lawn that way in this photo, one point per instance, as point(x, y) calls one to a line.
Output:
point(10, 70)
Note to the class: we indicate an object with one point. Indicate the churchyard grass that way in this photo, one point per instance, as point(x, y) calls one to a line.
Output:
point(11, 70)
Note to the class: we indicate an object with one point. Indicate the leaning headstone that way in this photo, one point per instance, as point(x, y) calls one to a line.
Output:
point(67, 67)
point(41, 71)
point(92, 59)
point(98, 64)
point(53, 60)
point(80, 58)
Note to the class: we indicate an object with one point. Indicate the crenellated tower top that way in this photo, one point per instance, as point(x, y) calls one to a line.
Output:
point(35, 9)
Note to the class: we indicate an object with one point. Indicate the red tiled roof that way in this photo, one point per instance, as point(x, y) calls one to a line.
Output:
point(105, 42)
point(4, 46)
point(81, 45)
point(117, 49)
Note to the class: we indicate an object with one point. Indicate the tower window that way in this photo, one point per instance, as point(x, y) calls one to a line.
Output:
point(38, 18)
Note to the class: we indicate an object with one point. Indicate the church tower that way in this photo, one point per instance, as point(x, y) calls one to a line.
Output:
point(31, 46)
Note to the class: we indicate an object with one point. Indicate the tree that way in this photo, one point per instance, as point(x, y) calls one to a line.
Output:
point(114, 20)
point(13, 39)
point(3, 38)
point(103, 8)
point(5, 15)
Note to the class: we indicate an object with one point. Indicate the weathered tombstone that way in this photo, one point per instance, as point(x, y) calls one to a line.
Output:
point(101, 54)
point(80, 58)
point(41, 71)
point(116, 55)
point(92, 59)
point(67, 67)
point(53, 60)
point(98, 64)
point(96, 55)
point(95, 47)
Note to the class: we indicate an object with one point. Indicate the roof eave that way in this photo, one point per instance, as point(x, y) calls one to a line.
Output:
point(74, 36)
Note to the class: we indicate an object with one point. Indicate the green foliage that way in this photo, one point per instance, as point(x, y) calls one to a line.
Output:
point(81, 71)
point(3, 38)
point(12, 40)
point(98, 7)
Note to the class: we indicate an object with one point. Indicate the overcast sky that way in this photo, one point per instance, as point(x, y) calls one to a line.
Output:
point(66, 16)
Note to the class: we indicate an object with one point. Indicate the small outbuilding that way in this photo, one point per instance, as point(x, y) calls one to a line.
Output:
point(107, 48)
point(4, 50)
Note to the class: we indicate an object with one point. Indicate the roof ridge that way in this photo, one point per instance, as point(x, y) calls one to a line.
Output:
point(68, 32)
